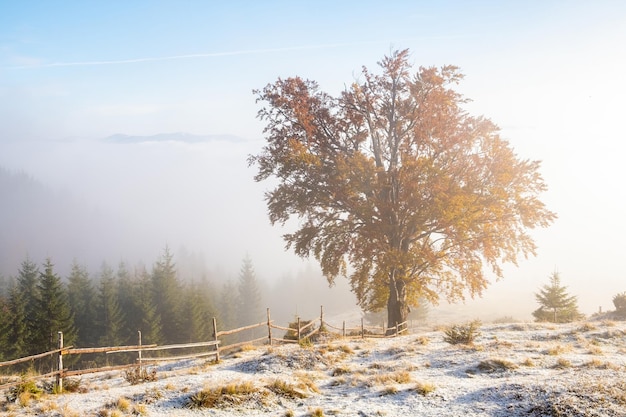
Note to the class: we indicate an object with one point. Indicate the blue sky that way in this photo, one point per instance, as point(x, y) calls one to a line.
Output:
point(549, 73)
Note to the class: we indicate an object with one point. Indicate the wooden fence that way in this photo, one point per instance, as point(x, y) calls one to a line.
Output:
point(299, 332)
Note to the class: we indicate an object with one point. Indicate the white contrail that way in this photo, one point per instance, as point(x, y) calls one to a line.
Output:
point(176, 57)
point(200, 55)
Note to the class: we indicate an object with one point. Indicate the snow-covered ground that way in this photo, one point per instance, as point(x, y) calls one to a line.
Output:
point(516, 369)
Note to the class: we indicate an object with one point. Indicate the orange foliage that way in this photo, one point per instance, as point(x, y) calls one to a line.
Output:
point(396, 181)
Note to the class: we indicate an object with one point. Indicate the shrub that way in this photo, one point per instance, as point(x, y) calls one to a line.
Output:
point(462, 333)
point(138, 374)
point(26, 388)
point(72, 385)
point(619, 301)
point(292, 334)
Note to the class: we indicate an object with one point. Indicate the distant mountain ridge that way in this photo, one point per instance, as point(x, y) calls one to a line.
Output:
point(172, 137)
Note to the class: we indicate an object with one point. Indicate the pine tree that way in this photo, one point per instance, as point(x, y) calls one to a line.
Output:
point(227, 306)
point(82, 297)
point(619, 301)
point(197, 312)
point(5, 316)
point(127, 288)
point(167, 296)
point(15, 328)
point(148, 320)
point(249, 301)
point(25, 306)
point(556, 305)
point(53, 312)
point(110, 318)
point(5, 286)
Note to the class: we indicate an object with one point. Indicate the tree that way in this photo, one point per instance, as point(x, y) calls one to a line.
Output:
point(619, 301)
point(53, 312)
point(148, 321)
point(198, 313)
point(82, 297)
point(24, 304)
point(557, 306)
point(227, 306)
point(394, 179)
point(249, 301)
point(166, 292)
point(110, 318)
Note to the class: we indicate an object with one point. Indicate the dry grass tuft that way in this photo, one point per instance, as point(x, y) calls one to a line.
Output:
point(389, 390)
point(563, 363)
point(48, 406)
point(598, 364)
point(285, 389)
point(424, 388)
point(341, 370)
point(495, 365)
point(123, 404)
point(316, 412)
point(422, 340)
point(66, 411)
point(223, 396)
point(398, 377)
point(558, 349)
point(587, 327)
point(595, 350)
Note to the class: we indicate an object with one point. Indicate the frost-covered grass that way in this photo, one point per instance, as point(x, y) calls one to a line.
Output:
point(509, 370)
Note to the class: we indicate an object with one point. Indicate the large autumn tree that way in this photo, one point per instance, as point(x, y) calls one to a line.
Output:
point(396, 186)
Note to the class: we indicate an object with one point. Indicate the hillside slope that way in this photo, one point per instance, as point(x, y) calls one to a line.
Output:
point(511, 370)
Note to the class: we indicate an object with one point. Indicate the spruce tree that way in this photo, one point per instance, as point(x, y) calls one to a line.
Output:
point(227, 306)
point(127, 288)
point(167, 296)
point(148, 320)
point(249, 301)
point(15, 328)
point(53, 312)
point(197, 321)
point(110, 318)
point(25, 307)
point(5, 316)
point(82, 297)
point(5, 286)
point(556, 305)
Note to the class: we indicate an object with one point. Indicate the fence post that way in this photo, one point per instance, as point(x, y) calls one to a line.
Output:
point(269, 326)
point(343, 333)
point(60, 364)
point(217, 346)
point(321, 318)
point(298, 322)
point(139, 351)
point(362, 329)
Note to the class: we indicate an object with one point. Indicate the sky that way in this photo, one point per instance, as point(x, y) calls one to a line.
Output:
point(549, 73)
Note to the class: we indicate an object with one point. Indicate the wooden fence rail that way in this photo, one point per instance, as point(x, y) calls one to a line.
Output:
point(300, 333)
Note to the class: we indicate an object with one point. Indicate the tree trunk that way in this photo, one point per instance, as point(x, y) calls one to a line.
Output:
point(397, 307)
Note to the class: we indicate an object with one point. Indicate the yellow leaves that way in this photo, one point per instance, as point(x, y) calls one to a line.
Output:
point(300, 154)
